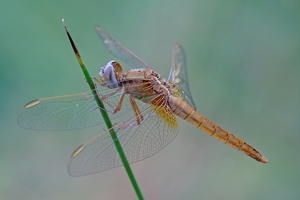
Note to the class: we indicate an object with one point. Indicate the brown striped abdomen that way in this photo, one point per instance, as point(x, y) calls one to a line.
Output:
point(186, 112)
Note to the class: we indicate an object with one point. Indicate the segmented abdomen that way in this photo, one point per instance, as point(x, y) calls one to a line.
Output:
point(186, 112)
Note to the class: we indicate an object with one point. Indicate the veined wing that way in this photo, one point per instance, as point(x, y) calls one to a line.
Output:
point(178, 74)
point(138, 142)
point(118, 50)
point(73, 111)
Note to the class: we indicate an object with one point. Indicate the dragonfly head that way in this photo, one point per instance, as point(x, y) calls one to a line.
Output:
point(109, 74)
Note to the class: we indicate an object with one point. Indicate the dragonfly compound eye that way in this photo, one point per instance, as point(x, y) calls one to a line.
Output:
point(109, 75)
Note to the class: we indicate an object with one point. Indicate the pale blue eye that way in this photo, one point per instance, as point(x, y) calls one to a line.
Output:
point(110, 76)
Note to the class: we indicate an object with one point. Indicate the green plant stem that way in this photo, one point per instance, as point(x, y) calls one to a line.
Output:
point(106, 118)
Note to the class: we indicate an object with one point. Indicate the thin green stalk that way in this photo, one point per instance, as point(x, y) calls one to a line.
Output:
point(106, 118)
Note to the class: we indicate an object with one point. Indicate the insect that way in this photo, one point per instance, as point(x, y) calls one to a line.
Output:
point(148, 103)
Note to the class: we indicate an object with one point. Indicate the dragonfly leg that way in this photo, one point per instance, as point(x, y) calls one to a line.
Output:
point(119, 105)
point(103, 98)
point(139, 116)
point(98, 81)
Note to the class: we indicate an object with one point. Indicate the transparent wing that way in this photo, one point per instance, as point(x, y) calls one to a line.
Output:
point(116, 49)
point(74, 111)
point(138, 142)
point(178, 74)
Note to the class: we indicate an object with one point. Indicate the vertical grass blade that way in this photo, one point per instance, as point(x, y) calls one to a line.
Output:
point(105, 117)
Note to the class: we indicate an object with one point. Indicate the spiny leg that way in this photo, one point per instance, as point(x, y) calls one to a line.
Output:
point(108, 95)
point(136, 110)
point(99, 82)
point(119, 105)
point(103, 98)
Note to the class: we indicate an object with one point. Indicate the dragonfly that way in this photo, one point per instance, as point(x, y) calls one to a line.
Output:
point(146, 105)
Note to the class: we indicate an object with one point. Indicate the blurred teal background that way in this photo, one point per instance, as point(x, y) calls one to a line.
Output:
point(244, 71)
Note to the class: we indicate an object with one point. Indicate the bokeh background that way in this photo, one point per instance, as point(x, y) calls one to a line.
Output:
point(244, 72)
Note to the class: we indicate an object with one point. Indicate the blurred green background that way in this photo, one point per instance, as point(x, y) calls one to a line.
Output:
point(244, 72)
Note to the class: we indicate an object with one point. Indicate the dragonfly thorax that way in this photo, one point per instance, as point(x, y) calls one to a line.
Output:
point(143, 84)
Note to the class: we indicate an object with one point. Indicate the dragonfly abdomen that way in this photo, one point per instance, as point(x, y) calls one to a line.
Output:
point(186, 112)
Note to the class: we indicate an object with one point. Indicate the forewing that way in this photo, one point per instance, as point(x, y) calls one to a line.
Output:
point(116, 49)
point(138, 142)
point(178, 74)
point(74, 111)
